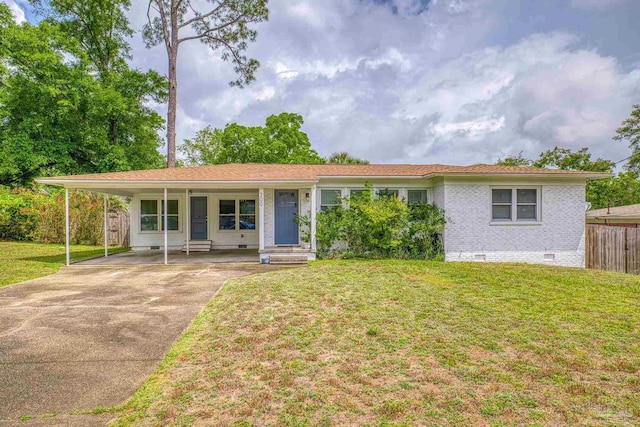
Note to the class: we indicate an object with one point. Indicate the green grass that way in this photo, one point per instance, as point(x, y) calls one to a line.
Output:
point(20, 261)
point(397, 343)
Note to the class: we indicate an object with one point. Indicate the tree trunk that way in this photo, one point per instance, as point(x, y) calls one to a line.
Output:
point(171, 111)
point(172, 48)
point(113, 125)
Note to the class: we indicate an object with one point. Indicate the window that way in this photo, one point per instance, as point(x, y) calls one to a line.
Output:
point(148, 215)
point(388, 193)
point(172, 215)
point(514, 204)
point(227, 215)
point(416, 196)
point(150, 218)
point(527, 204)
point(234, 214)
point(247, 215)
point(501, 209)
point(329, 199)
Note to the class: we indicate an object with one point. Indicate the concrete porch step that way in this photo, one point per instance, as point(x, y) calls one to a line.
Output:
point(285, 250)
point(197, 246)
point(288, 259)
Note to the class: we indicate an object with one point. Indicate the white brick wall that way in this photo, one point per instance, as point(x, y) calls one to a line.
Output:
point(470, 235)
point(268, 217)
point(436, 194)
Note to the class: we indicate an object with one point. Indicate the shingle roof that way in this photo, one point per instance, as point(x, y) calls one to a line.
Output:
point(628, 211)
point(286, 172)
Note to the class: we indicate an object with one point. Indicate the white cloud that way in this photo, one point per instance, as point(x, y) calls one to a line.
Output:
point(436, 86)
point(16, 10)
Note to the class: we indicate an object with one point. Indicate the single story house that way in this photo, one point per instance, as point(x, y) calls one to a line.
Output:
point(619, 216)
point(496, 213)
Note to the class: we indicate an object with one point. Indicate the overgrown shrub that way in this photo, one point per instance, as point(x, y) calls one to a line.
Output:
point(383, 227)
point(38, 215)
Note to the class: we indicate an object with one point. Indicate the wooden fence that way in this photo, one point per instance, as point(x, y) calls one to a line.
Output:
point(613, 248)
point(119, 223)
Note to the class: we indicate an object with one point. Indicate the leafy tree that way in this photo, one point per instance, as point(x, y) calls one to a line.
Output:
point(564, 158)
point(224, 25)
point(344, 158)
point(630, 130)
point(60, 114)
point(622, 189)
point(561, 158)
point(100, 27)
point(518, 160)
point(281, 140)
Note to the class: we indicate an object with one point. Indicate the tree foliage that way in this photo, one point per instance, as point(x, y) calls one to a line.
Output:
point(66, 109)
point(38, 214)
point(344, 158)
point(622, 189)
point(223, 25)
point(630, 130)
point(561, 158)
point(280, 140)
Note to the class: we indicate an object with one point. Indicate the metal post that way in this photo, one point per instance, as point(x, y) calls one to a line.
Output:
point(66, 225)
point(106, 226)
point(166, 231)
point(261, 218)
point(313, 218)
point(187, 216)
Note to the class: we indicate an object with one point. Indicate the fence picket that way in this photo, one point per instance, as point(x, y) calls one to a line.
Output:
point(612, 248)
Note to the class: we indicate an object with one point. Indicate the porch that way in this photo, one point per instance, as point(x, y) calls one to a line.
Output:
point(214, 225)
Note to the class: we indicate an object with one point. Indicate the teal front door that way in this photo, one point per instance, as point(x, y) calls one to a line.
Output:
point(286, 208)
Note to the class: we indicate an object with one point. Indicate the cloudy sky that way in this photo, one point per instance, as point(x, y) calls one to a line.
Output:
point(424, 81)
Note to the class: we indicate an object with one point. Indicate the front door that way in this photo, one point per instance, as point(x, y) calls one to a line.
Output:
point(199, 218)
point(286, 207)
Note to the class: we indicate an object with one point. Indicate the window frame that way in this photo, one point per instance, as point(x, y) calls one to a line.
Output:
point(159, 214)
point(236, 215)
point(514, 205)
point(337, 204)
point(424, 190)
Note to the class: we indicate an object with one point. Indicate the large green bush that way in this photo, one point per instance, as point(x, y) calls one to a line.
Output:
point(38, 215)
point(384, 227)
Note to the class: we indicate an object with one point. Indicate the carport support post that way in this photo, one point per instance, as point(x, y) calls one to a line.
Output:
point(66, 225)
point(261, 219)
point(313, 218)
point(187, 219)
point(106, 227)
point(166, 231)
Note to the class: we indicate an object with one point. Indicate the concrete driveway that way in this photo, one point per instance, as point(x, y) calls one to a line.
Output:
point(90, 336)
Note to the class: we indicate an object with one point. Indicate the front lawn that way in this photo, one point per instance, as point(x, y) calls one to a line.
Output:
point(383, 343)
point(20, 261)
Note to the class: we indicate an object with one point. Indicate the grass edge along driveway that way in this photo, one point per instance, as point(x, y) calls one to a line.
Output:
point(384, 343)
point(20, 261)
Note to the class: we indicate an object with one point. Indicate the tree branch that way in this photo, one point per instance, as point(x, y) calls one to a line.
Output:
point(201, 18)
point(160, 10)
point(207, 34)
